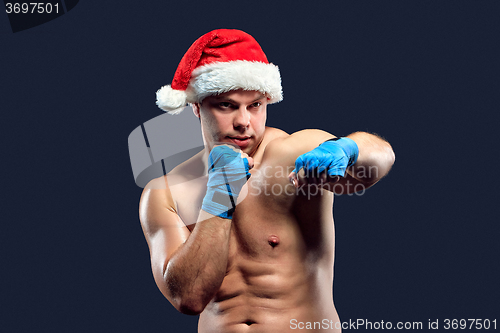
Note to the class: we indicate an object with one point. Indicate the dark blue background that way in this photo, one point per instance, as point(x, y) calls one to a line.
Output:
point(422, 244)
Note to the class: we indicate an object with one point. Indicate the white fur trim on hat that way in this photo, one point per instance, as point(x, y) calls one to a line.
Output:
point(220, 77)
point(170, 100)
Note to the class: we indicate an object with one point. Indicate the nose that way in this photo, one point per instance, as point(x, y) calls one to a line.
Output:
point(241, 118)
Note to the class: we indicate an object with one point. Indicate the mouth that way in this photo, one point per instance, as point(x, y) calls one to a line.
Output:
point(241, 141)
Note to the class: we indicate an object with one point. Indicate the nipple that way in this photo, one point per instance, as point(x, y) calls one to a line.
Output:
point(273, 240)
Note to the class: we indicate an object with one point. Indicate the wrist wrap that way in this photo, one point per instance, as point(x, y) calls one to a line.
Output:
point(349, 146)
point(332, 156)
point(227, 173)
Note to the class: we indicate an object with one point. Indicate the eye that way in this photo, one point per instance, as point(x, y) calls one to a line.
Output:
point(256, 104)
point(225, 105)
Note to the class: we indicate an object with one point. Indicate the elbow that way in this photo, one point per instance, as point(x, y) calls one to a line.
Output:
point(183, 293)
point(190, 306)
point(391, 157)
point(186, 302)
point(386, 159)
point(378, 166)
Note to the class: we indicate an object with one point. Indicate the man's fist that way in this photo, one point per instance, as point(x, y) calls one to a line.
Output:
point(325, 163)
point(228, 171)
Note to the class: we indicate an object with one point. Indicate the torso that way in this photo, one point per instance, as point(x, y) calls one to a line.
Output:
point(281, 252)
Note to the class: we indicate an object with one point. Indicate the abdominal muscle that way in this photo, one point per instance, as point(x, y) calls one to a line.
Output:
point(276, 303)
point(274, 279)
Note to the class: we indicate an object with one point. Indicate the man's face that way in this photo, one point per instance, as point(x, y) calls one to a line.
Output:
point(237, 117)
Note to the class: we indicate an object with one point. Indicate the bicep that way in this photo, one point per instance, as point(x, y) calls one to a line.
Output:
point(164, 230)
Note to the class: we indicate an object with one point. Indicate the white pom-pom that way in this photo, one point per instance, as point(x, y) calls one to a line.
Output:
point(170, 100)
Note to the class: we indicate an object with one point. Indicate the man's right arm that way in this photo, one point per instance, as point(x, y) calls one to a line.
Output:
point(188, 267)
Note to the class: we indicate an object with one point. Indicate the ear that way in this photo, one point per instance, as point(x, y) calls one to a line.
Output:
point(196, 109)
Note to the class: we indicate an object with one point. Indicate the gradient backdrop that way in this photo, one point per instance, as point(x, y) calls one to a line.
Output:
point(422, 244)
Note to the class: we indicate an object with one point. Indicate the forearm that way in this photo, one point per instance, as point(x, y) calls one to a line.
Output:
point(375, 158)
point(196, 270)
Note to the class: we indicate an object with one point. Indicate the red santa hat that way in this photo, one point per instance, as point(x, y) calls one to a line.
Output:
point(220, 61)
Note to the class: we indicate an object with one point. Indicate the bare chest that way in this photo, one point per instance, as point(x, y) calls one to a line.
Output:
point(272, 219)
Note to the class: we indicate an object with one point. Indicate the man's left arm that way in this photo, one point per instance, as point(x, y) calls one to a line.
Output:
point(341, 165)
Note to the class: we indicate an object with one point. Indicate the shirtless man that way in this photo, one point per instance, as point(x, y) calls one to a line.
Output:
point(254, 254)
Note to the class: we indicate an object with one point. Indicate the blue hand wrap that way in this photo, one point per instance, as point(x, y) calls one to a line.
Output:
point(334, 156)
point(227, 173)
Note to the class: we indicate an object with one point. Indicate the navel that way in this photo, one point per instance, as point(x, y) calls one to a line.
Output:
point(273, 240)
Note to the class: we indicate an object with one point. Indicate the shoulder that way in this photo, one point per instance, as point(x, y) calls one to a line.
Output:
point(192, 168)
point(272, 134)
point(275, 132)
point(155, 199)
point(182, 173)
point(157, 192)
point(160, 189)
